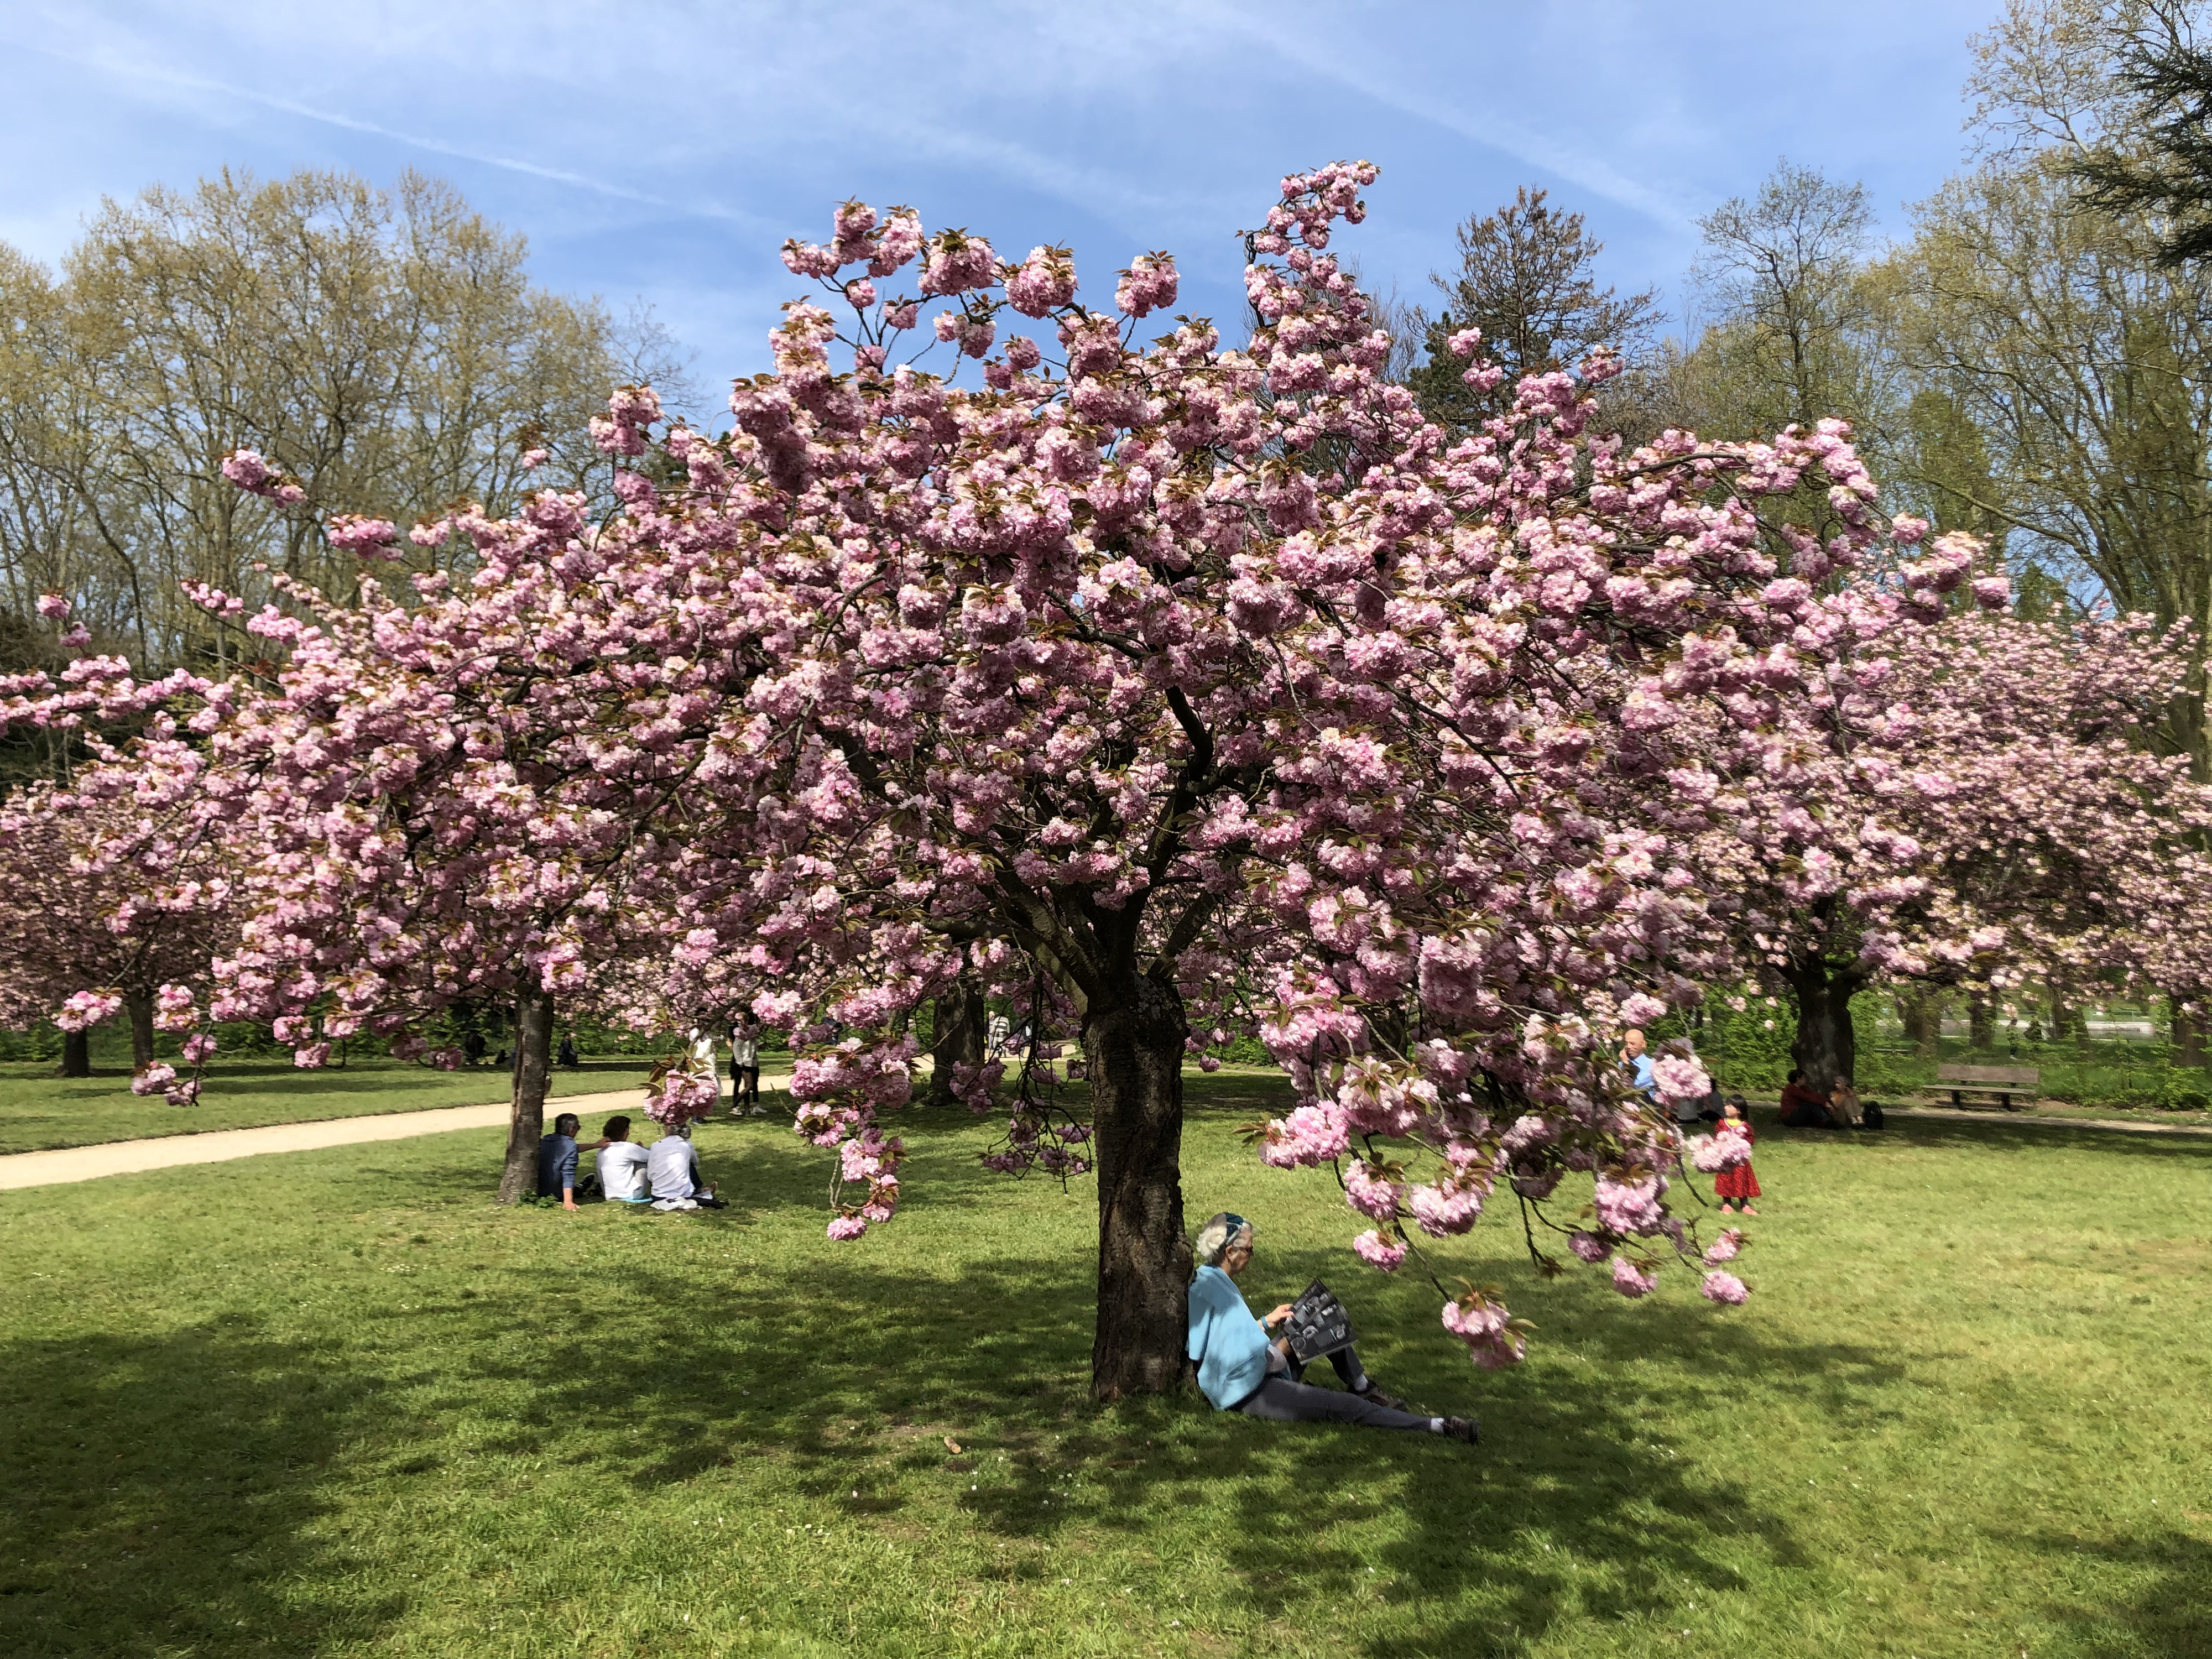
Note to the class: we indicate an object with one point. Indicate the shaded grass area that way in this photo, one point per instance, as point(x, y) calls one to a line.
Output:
point(337, 1403)
point(39, 1109)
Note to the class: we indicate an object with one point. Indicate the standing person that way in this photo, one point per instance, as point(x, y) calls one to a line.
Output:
point(1239, 1369)
point(745, 1066)
point(702, 1057)
point(1739, 1185)
point(673, 1163)
point(623, 1165)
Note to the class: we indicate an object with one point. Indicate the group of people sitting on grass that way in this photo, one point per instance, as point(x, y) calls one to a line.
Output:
point(1803, 1106)
point(665, 1176)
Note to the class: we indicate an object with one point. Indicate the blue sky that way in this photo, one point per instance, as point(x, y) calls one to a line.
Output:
point(664, 152)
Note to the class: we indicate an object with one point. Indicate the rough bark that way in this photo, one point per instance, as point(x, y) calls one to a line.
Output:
point(1132, 1043)
point(1826, 1047)
point(140, 1006)
point(1981, 1024)
point(2065, 1020)
point(1920, 1010)
point(2187, 1043)
point(956, 1037)
point(76, 1053)
point(533, 1071)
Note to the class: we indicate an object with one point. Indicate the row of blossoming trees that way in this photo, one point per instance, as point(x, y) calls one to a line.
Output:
point(1168, 687)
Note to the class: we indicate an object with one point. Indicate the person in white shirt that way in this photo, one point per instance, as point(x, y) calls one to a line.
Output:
point(672, 1164)
point(623, 1165)
point(745, 1066)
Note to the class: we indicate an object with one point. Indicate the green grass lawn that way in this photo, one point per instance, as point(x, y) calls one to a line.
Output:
point(37, 1110)
point(339, 1404)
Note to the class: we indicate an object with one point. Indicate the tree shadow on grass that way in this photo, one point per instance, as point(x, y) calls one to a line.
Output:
point(2040, 1135)
point(160, 1496)
point(2170, 1615)
point(855, 1377)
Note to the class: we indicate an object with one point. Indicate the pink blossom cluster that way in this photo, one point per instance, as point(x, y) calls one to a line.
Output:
point(245, 469)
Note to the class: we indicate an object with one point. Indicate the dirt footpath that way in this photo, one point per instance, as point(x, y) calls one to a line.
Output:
point(65, 1163)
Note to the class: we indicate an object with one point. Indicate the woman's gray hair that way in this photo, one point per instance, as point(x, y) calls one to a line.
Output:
point(1221, 1235)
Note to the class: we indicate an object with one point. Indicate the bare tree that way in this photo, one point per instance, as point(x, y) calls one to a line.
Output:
point(1784, 268)
point(385, 347)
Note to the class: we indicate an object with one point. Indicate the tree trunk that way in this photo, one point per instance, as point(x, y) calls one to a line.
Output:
point(955, 1038)
point(2065, 1019)
point(141, 1006)
point(1132, 1046)
point(1920, 1010)
point(2187, 1043)
point(1981, 1023)
point(533, 1071)
point(1826, 1047)
point(76, 1053)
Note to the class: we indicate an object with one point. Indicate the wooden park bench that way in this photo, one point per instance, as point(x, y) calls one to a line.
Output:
point(2011, 1087)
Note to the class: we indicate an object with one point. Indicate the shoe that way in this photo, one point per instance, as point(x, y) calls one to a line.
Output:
point(1463, 1429)
point(759, 1111)
point(674, 1204)
point(1388, 1401)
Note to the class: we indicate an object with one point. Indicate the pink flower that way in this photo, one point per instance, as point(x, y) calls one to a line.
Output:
point(1147, 286)
point(366, 538)
point(1724, 1248)
point(1632, 1281)
point(53, 606)
point(1369, 1190)
point(1589, 1246)
point(1724, 1288)
point(1680, 1079)
point(154, 1079)
point(200, 1049)
point(86, 1009)
point(1377, 1251)
point(311, 1056)
point(846, 1227)
point(1042, 283)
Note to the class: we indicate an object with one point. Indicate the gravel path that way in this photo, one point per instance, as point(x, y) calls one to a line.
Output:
point(48, 1168)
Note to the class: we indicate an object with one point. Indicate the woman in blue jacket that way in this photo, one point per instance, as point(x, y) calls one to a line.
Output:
point(1240, 1369)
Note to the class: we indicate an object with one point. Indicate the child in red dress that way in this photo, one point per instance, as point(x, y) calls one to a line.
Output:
point(1739, 1185)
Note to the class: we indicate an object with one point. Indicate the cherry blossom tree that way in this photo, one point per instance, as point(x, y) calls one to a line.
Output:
point(96, 918)
point(1162, 685)
point(1976, 799)
point(1205, 680)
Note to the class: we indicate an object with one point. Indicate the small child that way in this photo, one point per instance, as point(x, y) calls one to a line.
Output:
point(1738, 1186)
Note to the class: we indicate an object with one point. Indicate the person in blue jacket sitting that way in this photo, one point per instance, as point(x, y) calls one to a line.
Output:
point(1241, 1368)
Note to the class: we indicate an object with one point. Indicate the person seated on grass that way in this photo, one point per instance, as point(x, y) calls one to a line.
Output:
point(673, 1163)
point(1843, 1105)
point(1801, 1105)
point(1636, 1060)
point(623, 1165)
point(566, 1055)
point(557, 1165)
point(1239, 1369)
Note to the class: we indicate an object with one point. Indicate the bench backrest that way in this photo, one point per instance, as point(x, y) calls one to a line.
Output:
point(2017, 1076)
